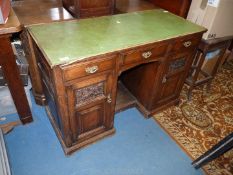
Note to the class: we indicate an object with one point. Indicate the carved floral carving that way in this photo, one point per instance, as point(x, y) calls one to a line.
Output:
point(89, 93)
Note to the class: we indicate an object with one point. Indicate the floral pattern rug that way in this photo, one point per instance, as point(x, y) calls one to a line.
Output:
point(199, 124)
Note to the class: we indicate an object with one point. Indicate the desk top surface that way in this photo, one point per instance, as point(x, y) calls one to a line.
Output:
point(12, 25)
point(70, 41)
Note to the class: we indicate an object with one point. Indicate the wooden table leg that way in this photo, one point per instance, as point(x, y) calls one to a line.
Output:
point(200, 57)
point(12, 76)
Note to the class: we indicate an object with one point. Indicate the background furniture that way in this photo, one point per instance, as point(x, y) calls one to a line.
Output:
point(89, 8)
point(126, 6)
point(4, 163)
point(28, 14)
point(205, 47)
point(178, 7)
point(217, 150)
point(10, 69)
point(40, 11)
point(80, 74)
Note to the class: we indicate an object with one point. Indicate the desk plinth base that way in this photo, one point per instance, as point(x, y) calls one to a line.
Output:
point(77, 146)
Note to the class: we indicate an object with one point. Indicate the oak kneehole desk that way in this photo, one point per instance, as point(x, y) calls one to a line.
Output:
point(81, 63)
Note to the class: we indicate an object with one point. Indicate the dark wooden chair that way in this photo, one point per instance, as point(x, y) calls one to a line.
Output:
point(205, 47)
point(217, 150)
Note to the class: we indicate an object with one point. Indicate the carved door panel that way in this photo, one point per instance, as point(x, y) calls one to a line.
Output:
point(172, 79)
point(90, 106)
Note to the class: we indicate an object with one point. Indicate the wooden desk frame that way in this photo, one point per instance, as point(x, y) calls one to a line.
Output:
point(82, 95)
point(61, 82)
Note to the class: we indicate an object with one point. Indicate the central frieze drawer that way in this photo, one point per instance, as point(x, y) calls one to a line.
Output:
point(88, 68)
point(145, 54)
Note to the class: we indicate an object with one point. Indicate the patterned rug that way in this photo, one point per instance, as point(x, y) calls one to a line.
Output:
point(199, 124)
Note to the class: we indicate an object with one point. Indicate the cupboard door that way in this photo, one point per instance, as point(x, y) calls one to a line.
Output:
point(90, 106)
point(172, 78)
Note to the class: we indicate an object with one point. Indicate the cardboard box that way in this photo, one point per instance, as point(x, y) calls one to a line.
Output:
point(215, 15)
point(5, 7)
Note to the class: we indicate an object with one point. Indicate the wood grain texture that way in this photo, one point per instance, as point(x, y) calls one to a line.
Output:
point(89, 8)
point(178, 7)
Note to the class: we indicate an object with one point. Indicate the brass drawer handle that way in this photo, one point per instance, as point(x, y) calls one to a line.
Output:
point(146, 54)
point(164, 80)
point(92, 69)
point(109, 99)
point(187, 43)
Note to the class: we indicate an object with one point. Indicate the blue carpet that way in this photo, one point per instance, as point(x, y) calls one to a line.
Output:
point(139, 147)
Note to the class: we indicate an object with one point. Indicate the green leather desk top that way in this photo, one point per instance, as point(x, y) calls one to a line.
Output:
point(67, 42)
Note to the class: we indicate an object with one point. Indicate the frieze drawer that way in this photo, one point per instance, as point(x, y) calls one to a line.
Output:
point(144, 54)
point(186, 43)
point(89, 68)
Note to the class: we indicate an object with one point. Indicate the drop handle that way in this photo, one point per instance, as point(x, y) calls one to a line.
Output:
point(187, 44)
point(92, 69)
point(164, 79)
point(147, 54)
point(109, 98)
